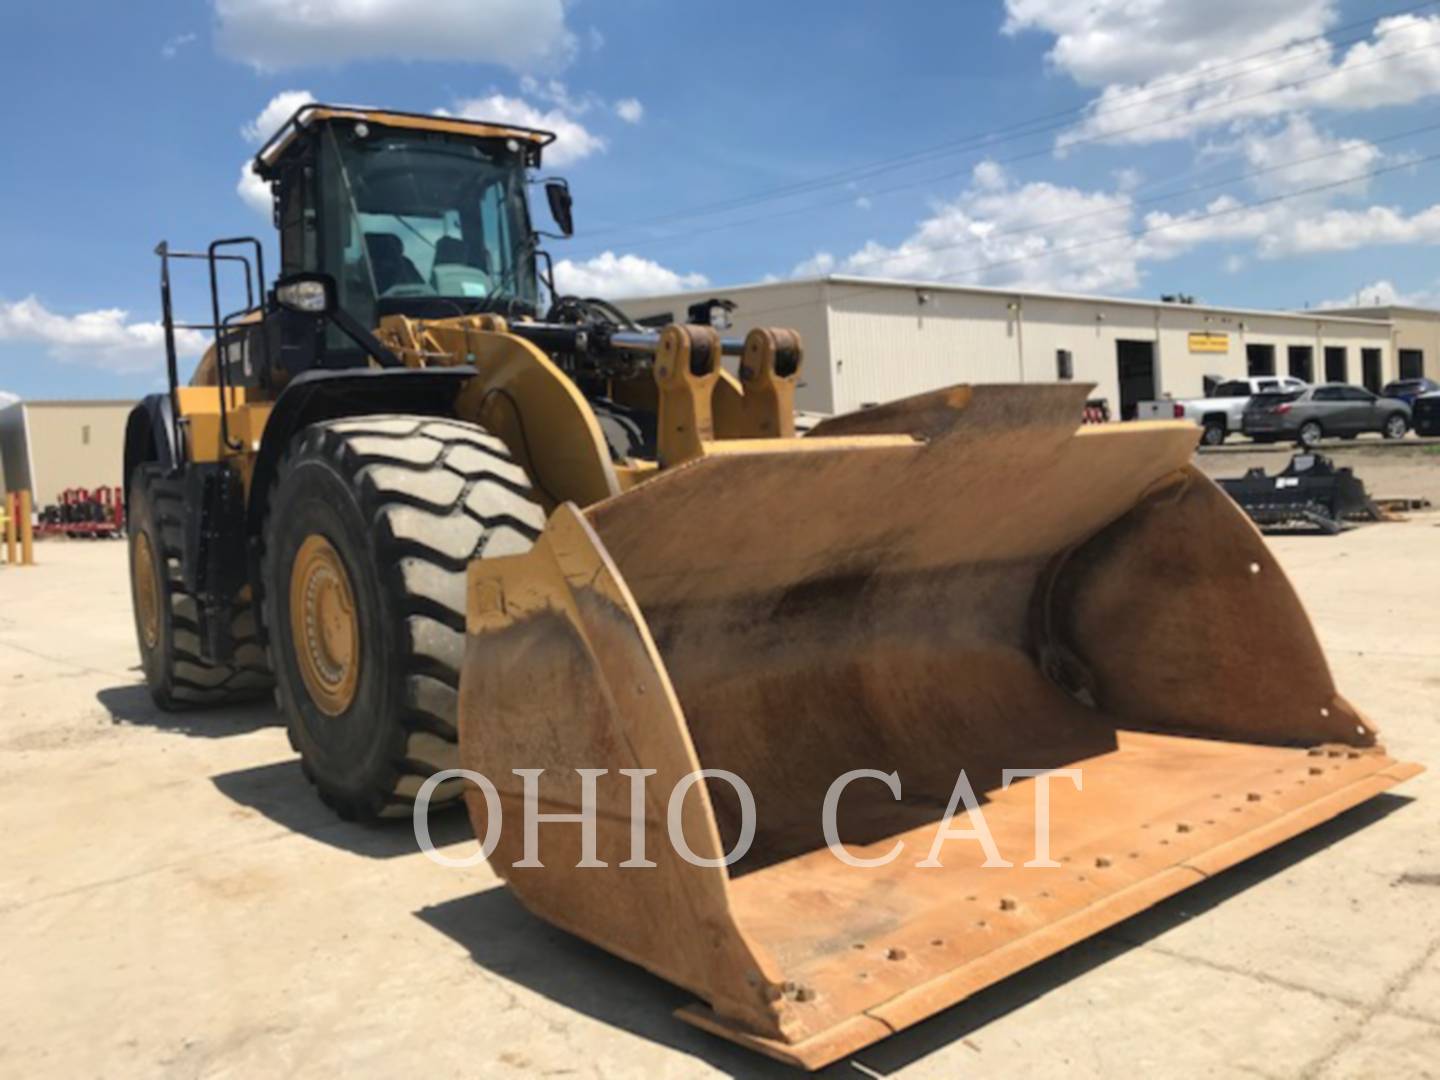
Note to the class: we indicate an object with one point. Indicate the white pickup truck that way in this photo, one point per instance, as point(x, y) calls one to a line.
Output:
point(1219, 414)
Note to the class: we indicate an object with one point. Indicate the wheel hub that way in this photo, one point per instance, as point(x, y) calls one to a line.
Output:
point(324, 626)
point(147, 589)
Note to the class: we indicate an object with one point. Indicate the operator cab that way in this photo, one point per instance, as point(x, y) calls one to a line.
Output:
point(408, 214)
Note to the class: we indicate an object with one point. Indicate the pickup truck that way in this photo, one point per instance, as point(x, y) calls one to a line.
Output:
point(1219, 414)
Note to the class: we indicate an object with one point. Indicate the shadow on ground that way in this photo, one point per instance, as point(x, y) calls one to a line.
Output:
point(281, 792)
point(505, 939)
point(132, 705)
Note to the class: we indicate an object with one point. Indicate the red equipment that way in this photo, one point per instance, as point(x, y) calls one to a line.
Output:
point(98, 513)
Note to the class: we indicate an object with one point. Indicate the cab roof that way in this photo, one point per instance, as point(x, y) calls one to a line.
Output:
point(316, 113)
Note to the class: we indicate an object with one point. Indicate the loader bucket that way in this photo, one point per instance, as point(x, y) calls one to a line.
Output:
point(968, 580)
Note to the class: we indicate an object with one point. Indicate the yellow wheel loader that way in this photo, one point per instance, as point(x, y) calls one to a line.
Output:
point(962, 681)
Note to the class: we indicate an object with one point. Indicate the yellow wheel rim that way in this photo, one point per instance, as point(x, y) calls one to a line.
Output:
point(324, 626)
point(147, 589)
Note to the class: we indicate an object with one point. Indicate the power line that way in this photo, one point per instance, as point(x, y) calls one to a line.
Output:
point(1018, 129)
point(689, 234)
point(1133, 237)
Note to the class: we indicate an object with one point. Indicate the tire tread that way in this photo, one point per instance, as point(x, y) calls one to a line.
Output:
point(437, 494)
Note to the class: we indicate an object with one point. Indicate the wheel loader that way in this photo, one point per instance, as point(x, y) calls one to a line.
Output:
point(446, 524)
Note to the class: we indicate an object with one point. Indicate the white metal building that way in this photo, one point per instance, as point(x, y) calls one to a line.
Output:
point(1417, 337)
point(871, 340)
point(49, 446)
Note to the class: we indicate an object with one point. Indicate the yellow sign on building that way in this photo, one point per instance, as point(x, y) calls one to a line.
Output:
point(1210, 343)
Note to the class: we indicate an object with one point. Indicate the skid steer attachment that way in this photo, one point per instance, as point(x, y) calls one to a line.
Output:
point(966, 580)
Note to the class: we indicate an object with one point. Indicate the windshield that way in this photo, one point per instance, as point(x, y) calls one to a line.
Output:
point(415, 215)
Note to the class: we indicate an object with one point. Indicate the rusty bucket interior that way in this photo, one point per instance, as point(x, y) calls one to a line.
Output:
point(968, 580)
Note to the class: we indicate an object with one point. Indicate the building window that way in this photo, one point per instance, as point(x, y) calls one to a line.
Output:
point(1302, 362)
point(1337, 364)
point(1412, 364)
point(1064, 365)
point(1370, 365)
point(85, 435)
point(1259, 360)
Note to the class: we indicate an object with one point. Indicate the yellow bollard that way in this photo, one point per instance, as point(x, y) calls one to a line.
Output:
point(10, 501)
point(27, 531)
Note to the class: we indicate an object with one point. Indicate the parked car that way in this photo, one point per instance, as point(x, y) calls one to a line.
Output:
point(1426, 414)
point(1317, 412)
point(1407, 390)
point(1220, 412)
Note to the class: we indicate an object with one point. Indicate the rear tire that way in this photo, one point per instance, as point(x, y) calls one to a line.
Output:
point(394, 507)
point(1310, 434)
point(1214, 433)
point(1395, 426)
point(167, 618)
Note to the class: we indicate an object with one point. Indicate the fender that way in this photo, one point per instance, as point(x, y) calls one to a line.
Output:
point(318, 395)
point(149, 432)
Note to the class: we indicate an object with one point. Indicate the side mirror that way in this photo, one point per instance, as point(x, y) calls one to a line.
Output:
point(307, 294)
point(557, 194)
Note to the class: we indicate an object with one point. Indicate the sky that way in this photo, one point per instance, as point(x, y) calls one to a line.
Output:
point(1259, 153)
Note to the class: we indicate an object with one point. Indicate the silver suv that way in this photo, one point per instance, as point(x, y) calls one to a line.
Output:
point(1327, 411)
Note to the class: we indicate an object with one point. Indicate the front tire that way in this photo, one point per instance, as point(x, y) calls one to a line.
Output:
point(370, 527)
point(1310, 434)
point(167, 618)
point(1395, 427)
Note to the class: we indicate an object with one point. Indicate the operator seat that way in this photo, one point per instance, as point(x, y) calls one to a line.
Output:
point(450, 251)
point(389, 262)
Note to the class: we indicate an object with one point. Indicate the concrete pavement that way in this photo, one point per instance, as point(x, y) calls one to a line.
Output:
point(176, 902)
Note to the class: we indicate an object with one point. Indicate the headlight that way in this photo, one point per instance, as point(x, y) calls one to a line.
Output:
point(310, 297)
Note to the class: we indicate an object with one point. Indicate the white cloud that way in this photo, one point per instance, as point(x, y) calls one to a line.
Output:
point(1380, 293)
point(1298, 155)
point(1049, 236)
point(1347, 230)
point(1107, 41)
point(616, 276)
point(1385, 293)
point(1128, 179)
point(174, 44)
point(1280, 230)
point(523, 35)
point(103, 338)
point(863, 203)
point(822, 262)
point(7, 398)
point(990, 176)
point(254, 192)
point(555, 92)
point(279, 109)
point(630, 110)
point(1398, 65)
point(1039, 234)
point(572, 140)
